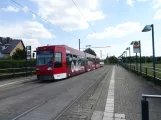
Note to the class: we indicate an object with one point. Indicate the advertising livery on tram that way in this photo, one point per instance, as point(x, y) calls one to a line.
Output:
point(60, 61)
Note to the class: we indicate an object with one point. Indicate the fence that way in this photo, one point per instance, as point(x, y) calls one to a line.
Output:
point(16, 72)
point(145, 71)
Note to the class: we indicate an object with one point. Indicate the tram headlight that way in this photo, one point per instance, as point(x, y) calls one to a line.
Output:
point(49, 68)
point(37, 68)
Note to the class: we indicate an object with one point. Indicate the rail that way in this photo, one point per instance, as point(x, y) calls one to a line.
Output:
point(145, 105)
point(15, 72)
point(145, 70)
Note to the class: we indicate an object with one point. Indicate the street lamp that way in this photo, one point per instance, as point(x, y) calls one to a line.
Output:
point(146, 29)
point(123, 54)
point(126, 56)
point(88, 46)
point(128, 48)
point(102, 47)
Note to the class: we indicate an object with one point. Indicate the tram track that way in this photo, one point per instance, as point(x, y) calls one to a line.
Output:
point(34, 85)
point(58, 94)
point(79, 97)
point(32, 88)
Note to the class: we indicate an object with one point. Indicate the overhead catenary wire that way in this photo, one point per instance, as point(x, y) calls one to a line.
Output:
point(24, 7)
point(83, 16)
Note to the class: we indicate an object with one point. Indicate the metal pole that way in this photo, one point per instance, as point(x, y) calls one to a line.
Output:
point(136, 62)
point(122, 60)
point(79, 44)
point(145, 109)
point(126, 57)
point(140, 59)
point(130, 57)
point(101, 54)
point(26, 61)
point(153, 51)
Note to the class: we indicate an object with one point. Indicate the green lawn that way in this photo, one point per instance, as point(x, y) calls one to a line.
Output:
point(149, 68)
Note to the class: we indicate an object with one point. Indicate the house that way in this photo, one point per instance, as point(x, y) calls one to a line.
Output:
point(8, 46)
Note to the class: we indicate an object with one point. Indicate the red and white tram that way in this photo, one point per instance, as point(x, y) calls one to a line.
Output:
point(60, 61)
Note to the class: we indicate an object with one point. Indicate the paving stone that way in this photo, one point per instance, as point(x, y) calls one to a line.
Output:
point(107, 118)
point(128, 90)
point(117, 115)
point(109, 114)
point(119, 119)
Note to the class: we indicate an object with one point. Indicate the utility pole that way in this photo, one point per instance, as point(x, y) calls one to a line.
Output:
point(79, 44)
point(140, 59)
point(101, 54)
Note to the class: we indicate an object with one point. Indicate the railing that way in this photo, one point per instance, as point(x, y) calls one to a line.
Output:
point(146, 71)
point(15, 72)
point(145, 105)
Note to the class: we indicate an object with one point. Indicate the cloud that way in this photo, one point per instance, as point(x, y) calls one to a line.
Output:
point(15, 30)
point(118, 31)
point(36, 30)
point(32, 30)
point(131, 2)
point(25, 9)
point(157, 3)
point(65, 14)
point(35, 43)
point(33, 16)
point(10, 9)
point(157, 15)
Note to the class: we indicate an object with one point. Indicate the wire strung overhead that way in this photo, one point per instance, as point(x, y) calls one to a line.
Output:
point(19, 4)
point(83, 16)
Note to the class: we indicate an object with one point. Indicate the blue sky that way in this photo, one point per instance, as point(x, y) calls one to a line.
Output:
point(116, 22)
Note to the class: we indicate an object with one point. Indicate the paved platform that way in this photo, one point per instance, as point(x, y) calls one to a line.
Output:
point(122, 93)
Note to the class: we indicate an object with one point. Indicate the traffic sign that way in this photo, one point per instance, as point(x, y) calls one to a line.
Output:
point(136, 47)
point(28, 52)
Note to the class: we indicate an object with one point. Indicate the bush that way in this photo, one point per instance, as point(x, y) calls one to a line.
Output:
point(16, 63)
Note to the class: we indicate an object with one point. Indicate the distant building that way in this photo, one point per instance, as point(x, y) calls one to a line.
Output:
point(8, 46)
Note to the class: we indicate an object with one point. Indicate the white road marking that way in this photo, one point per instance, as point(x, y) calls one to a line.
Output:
point(12, 83)
point(109, 113)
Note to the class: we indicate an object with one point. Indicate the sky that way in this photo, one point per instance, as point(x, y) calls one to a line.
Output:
point(99, 23)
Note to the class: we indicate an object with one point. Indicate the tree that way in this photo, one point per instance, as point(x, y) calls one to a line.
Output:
point(112, 59)
point(19, 54)
point(90, 51)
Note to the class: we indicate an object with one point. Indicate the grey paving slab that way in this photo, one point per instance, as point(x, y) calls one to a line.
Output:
point(128, 90)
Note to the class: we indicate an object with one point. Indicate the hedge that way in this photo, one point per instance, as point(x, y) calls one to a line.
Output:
point(16, 63)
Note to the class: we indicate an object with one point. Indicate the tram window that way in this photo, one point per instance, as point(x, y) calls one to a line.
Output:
point(69, 59)
point(82, 61)
point(74, 57)
point(97, 61)
point(58, 60)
